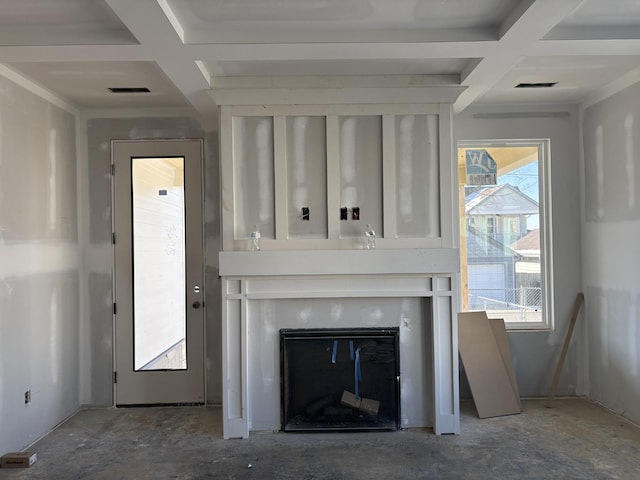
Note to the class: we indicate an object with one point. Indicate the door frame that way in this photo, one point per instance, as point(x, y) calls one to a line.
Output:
point(164, 148)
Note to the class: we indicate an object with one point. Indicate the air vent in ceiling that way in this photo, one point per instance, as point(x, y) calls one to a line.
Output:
point(536, 85)
point(129, 90)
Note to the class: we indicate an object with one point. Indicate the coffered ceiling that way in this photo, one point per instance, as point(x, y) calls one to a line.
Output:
point(179, 49)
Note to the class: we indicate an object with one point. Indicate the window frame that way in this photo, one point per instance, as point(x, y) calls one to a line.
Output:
point(546, 224)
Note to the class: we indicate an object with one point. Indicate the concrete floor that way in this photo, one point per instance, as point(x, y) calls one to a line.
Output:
point(573, 440)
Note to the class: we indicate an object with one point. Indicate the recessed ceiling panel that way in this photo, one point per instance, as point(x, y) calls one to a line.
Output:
point(341, 67)
point(598, 19)
point(278, 21)
point(61, 22)
point(576, 77)
point(86, 84)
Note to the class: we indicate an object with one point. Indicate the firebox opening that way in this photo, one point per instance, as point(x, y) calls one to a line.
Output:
point(340, 379)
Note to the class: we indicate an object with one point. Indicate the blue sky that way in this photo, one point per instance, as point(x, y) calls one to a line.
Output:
point(526, 179)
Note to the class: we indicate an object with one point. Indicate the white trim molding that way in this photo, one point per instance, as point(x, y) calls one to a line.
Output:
point(254, 276)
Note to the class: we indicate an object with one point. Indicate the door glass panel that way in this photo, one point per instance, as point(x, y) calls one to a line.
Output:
point(159, 305)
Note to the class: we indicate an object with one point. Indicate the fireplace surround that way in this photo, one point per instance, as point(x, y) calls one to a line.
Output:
point(253, 282)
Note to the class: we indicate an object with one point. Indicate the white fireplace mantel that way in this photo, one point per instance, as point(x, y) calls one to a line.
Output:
point(315, 274)
point(340, 262)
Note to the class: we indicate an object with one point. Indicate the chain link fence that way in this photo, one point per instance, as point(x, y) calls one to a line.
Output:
point(523, 298)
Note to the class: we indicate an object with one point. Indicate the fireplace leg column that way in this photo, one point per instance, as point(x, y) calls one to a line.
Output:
point(235, 420)
point(446, 405)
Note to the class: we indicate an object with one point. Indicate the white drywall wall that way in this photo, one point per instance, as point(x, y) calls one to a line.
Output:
point(611, 146)
point(97, 336)
point(536, 354)
point(38, 266)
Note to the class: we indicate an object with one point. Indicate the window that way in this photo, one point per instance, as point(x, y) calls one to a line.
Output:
point(505, 240)
point(491, 227)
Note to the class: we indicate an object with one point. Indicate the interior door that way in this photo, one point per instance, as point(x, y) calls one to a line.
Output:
point(158, 278)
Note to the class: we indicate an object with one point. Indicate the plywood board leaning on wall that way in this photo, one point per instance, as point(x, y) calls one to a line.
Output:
point(502, 339)
point(484, 350)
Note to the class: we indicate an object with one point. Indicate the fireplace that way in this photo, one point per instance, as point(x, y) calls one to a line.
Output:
point(345, 379)
point(264, 292)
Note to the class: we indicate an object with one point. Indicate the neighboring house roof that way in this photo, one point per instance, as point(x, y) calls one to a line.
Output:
point(531, 241)
point(529, 245)
point(500, 200)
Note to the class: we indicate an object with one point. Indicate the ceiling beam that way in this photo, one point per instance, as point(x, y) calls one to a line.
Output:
point(530, 21)
point(338, 51)
point(157, 34)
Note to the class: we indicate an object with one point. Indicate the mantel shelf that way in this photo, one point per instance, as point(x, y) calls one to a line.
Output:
point(340, 262)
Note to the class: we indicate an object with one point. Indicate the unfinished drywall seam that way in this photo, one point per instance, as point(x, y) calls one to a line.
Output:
point(348, 162)
point(264, 149)
point(82, 212)
point(1, 154)
point(630, 160)
point(53, 188)
point(433, 173)
point(632, 337)
point(301, 191)
point(54, 338)
point(5, 293)
point(583, 375)
point(405, 168)
point(599, 171)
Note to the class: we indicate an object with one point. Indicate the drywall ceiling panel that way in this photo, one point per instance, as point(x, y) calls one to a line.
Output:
point(61, 22)
point(576, 77)
point(86, 84)
point(277, 21)
point(597, 19)
point(442, 66)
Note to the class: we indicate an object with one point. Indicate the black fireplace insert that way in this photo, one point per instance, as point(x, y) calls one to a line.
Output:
point(345, 379)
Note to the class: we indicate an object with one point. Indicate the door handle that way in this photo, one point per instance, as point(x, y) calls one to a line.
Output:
point(196, 304)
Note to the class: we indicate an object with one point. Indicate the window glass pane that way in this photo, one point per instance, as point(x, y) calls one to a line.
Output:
point(159, 309)
point(502, 268)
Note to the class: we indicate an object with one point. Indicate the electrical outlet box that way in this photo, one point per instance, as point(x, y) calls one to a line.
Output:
point(355, 213)
point(344, 213)
point(305, 213)
point(27, 397)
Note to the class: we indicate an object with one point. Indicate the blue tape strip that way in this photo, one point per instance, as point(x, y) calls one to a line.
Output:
point(351, 349)
point(357, 374)
point(335, 351)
